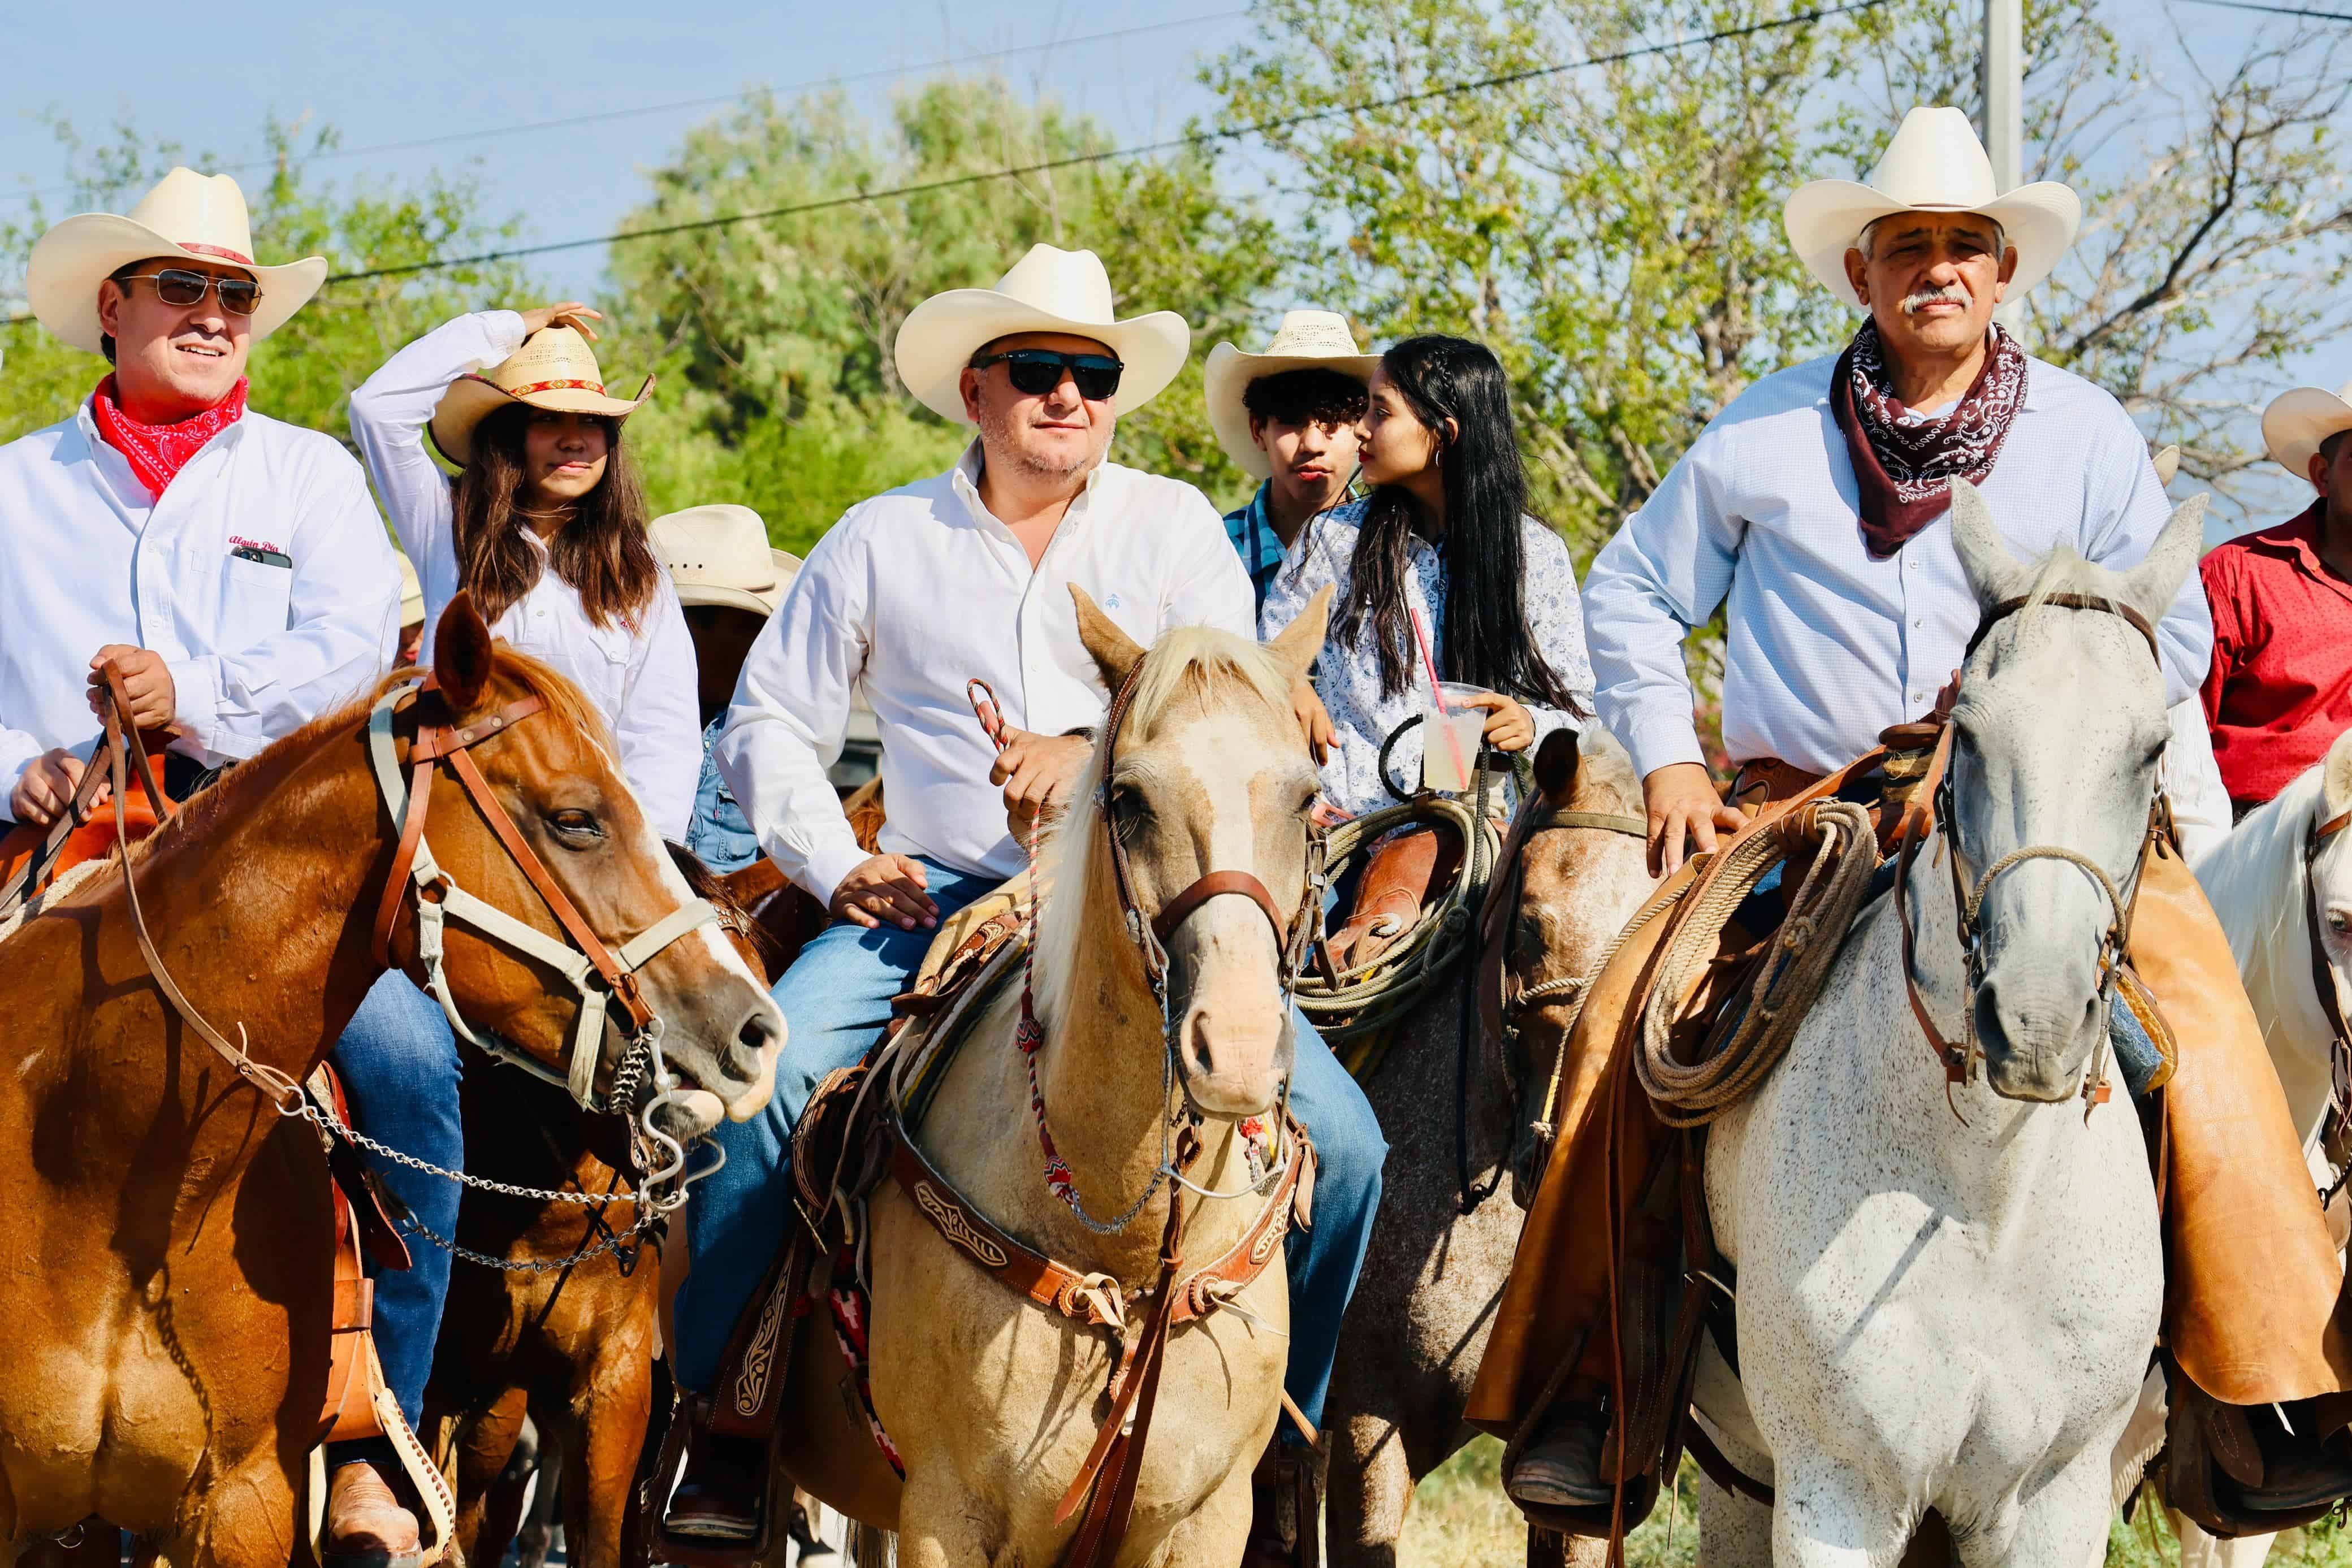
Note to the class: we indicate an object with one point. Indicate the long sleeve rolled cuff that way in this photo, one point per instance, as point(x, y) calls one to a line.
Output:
point(831, 859)
point(196, 701)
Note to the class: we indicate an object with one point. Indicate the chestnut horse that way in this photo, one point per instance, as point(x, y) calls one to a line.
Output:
point(169, 1304)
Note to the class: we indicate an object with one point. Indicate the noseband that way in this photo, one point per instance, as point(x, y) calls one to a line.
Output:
point(1931, 810)
point(598, 973)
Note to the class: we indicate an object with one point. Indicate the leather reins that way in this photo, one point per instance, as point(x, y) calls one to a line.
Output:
point(600, 975)
point(2338, 1139)
point(1929, 809)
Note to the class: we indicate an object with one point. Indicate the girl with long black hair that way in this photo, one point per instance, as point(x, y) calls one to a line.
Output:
point(1444, 534)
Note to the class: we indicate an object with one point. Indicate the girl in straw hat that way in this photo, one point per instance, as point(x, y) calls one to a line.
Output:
point(545, 524)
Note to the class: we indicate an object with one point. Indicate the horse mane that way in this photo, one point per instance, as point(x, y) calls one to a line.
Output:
point(1605, 779)
point(1189, 661)
point(242, 788)
point(2253, 879)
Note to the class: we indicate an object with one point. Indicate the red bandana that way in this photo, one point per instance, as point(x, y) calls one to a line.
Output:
point(158, 452)
point(1903, 469)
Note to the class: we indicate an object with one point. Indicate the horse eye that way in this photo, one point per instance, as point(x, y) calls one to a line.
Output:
point(576, 824)
point(2340, 921)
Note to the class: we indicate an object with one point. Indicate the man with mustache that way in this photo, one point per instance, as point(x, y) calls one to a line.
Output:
point(1814, 510)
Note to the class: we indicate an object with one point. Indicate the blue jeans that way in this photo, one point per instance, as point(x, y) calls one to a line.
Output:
point(835, 998)
point(399, 1067)
point(720, 834)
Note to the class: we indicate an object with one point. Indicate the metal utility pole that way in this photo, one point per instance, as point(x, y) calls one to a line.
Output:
point(2005, 114)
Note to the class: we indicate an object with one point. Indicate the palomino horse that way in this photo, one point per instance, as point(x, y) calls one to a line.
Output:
point(1922, 1320)
point(1431, 1274)
point(2276, 883)
point(171, 1302)
point(993, 1402)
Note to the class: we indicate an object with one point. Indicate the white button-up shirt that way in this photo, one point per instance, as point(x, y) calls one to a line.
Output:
point(640, 678)
point(922, 589)
point(256, 650)
point(1827, 645)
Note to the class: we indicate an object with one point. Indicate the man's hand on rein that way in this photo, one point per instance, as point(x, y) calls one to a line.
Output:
point(1035, 770)
point(47, 788)
point(154, 702)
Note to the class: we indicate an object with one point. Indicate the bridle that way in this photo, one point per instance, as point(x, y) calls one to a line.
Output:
point(1930, 809)
point(600, 975)
point(2337, 1139)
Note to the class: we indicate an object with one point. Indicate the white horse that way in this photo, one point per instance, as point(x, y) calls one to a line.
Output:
point(2267, 898)
point(1954, 1310)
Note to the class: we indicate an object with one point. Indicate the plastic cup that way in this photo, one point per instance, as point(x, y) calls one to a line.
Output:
point(1449, 746)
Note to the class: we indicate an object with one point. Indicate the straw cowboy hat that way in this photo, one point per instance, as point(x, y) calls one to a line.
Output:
point(1048, 290)
point(1306, 340)
point(719, 554)
point(412, 593)
point(2297, 422)
point(554, 369)
point(197, 216)
point(1934, 164)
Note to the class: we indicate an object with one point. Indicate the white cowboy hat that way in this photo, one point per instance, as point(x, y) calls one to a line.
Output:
point(2168, 462)
point(1934, 164)
point(719, 554)
point(1048, 290)
point(198, 217)
point(1306, 340)
point(412, 593)
point(2297, 422)
point(554, 369)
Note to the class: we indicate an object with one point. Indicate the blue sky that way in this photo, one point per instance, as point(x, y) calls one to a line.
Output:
point(389, 75)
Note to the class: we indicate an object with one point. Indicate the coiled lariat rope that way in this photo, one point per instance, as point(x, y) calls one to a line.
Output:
point(1788, 975)
point(1366, 997)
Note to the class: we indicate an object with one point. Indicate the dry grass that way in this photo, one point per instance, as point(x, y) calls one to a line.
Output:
point(1461, 1520)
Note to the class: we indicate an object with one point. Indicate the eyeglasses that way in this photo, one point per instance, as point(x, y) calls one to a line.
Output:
point(176, 286)
point(1036, 371)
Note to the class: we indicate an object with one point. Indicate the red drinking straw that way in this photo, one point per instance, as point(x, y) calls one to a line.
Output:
point(1437, 691)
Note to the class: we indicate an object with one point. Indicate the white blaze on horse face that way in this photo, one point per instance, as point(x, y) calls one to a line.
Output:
point(1225, 1003)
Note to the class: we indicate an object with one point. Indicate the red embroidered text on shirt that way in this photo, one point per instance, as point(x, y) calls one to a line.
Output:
point(157, 453)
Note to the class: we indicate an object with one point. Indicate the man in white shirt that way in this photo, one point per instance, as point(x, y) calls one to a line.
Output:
point(910, 595)
point(235, 571)
point(1817, 503)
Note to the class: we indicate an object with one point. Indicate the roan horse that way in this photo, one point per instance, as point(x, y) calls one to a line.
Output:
point(2274, 879)
point(993, 1402)
point(1432, 1275)
point(1951, 1305)
point(169, 1304)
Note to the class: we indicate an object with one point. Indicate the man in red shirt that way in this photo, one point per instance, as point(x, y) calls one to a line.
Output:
point(2280, 686)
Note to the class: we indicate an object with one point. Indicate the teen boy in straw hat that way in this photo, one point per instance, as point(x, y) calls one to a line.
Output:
point(232, 566)
point(2280, 686)
point(913, 594)
point(1287, 417)
point(1817, 504)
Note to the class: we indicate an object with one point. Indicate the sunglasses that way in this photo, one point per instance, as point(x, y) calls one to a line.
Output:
point(1036, 371)
point(174, 285)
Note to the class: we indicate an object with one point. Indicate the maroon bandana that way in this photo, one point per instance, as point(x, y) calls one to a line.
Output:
point(158, 452)
point(1905, 469)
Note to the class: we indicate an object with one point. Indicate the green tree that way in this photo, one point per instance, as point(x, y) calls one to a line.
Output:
point(305, 372)
point(774, 337)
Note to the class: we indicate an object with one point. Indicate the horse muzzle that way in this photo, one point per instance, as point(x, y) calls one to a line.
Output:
point(722, 1042)
point(2037, 1025)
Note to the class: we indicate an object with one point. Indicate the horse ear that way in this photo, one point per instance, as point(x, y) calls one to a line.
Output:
point(1984, 554)
point(1557, 760)
point(1116, 653)
point(2336, 784)
point(2152, 585)
point(461, 656)
point(1297, 645)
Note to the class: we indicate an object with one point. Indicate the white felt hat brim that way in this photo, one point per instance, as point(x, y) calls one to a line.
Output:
point(2296, 422)
point(939, 337)
point(1225, 387)
point(68, 263)
point(1824, 219)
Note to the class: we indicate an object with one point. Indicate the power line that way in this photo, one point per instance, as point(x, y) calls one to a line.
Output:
point(1195, 139)
point(643, 110)
point(2273, 10)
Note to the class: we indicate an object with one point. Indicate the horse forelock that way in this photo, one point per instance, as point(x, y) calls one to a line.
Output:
point(1190, 671)
point(1606, 780)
